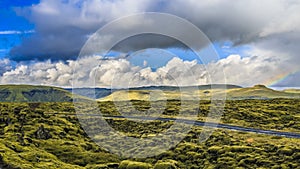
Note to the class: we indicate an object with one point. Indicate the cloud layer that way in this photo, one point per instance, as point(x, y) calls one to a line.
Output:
point(270, 27)
point(62, 27)
point(93, 71)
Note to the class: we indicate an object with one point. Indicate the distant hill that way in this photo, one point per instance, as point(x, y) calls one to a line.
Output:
point(200, 87)
point(30, 93)
point(94, 93)
point(97, 93)
point(259, 92)
point(203, 92)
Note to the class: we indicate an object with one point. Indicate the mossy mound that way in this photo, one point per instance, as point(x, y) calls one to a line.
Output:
point(127, 164)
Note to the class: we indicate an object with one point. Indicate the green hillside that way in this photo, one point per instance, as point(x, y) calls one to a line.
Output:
point(259, 92)
point(30, 93)
point(204, 93)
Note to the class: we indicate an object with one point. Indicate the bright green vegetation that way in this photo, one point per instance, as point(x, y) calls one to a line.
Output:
point(32, 138)
point(228, 149)
point(29, 93)
point(48, 135)
point(275, 114)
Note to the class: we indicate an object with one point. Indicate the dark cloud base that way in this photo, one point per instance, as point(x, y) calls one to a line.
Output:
point(62, 27)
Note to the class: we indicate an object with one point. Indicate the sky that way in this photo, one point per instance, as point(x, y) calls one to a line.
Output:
point(257, 43)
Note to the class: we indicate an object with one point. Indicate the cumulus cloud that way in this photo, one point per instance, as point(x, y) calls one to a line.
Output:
point(270, 26)
point(94, 71)
point(10, 32)
point(250, 70)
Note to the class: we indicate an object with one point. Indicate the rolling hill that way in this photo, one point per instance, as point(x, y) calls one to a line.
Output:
point(203, 92)
point(30, 93)
point(259, 92)
point(97, 93)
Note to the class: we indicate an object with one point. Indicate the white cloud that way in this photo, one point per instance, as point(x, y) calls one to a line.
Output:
point(270, 27)
point(121, 73)
point(250, 70)
point(10, 32)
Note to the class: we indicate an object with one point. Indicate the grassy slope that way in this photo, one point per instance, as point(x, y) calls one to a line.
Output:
point(30, 93)
point(292, 90)
point(259, 91)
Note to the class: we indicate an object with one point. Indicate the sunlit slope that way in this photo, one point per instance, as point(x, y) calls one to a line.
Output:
point(292, 90)
point(30, 93)
point(170, 92)
point(255, 92)
point(259, 92)
point(142, 95)
point(164, 95)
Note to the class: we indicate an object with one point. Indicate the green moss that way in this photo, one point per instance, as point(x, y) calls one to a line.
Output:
point(214, 149)
point(167, 164)
point(126, 164)
point(285, 151)
point(70, 147)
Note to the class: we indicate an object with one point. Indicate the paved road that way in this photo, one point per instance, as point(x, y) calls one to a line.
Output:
point(214, 125)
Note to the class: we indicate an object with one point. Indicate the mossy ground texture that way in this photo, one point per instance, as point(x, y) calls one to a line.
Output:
point(49, 135)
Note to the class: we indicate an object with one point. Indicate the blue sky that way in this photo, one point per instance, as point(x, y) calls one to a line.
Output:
point(253, 40)
point(13, 27)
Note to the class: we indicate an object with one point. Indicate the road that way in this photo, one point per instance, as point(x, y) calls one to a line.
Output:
point(214, 125)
